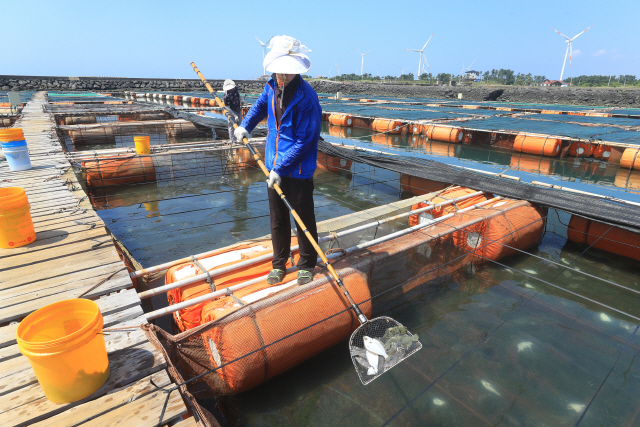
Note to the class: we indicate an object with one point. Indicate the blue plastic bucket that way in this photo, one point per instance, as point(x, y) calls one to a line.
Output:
point(17, 154)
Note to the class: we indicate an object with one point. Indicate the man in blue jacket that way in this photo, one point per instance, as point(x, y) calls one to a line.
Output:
point(295, 118)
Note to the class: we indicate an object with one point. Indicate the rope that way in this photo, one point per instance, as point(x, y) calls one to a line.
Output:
point(101, 282)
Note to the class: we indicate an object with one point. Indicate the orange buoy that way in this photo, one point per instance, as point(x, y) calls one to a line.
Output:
point(627, 178)
point(630, 158)
point(581, 149)
point(443, 197)
point(415, 129)
point(387, 126)
point(605, 237)
point(114, 171)
point(318, 309)
point(443, 133)
point(602, 152)
point(576, 113)
point(340, 119)
point(204, 101)
point(332, 163)
point(545, 145)
point(419, 186)
point(550, 112)
point(212, 102)
point(509, 225)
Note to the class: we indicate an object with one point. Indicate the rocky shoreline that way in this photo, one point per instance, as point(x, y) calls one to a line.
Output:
point(609, 97)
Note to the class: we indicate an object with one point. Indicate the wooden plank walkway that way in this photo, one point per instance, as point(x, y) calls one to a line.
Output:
point(72, 253)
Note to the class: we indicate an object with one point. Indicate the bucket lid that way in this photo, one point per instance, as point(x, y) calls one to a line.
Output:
point(11, 134)
point(13, 144)
point(12, 197)
point(141, 138)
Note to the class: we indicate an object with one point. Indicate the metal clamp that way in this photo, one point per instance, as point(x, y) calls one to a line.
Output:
point(237, 300)
point(205, 271)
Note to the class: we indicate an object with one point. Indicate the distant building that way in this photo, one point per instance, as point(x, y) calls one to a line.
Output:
point(472, 75)
point(548, 82)
point(264, 78)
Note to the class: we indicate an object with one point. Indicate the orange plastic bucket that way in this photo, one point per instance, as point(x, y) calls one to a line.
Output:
point(143, 144)
point(11, 134)
point(66, 349)
point(16, 226)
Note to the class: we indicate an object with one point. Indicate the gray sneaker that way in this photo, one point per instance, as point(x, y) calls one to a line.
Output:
point(275, 276)
point(304, 277)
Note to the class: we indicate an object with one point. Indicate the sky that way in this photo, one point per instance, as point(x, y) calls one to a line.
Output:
point(160, 38)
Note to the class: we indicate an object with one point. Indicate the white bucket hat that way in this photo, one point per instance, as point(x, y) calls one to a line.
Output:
point(228, 84)
point(287, 56)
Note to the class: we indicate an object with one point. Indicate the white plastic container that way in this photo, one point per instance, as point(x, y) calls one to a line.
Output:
point(17, 154)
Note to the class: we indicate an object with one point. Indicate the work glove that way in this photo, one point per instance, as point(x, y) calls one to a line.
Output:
point(274, 178)
point(240, 133)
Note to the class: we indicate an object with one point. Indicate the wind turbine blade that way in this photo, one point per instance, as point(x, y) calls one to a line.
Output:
point(260, 41)
point(472, 64)
point(570, 53)
point(368, 51)
point(425, 45)
point(357, 51)
point(575, 37)
point(425, 60)
point(412, 50)
point(561, 33)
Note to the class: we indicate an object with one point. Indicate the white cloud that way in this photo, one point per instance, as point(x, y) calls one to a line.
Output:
point(576, 53)
point(600, 52)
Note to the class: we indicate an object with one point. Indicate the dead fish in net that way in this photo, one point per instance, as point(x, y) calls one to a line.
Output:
point(374, 350)
point(360, 356)
point(394, 357)
point(403, 341)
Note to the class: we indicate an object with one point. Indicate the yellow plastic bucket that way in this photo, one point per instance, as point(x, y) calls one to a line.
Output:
point(16, 226)
point(143, 144)
point(66, 349)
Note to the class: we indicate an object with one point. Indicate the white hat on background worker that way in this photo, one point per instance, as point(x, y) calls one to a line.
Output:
point(228, 85)
point(287, 56)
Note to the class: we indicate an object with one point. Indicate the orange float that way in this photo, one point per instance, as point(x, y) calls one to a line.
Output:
point(602, 152)
point(581, 149)
point(387, 126)
point(605, 237)
point(550, 112)
point(443, 133)
point(509, 225)
point(340, 119)
point(544, 145)
point(332, 163)
point(443, 197)
point(204, 101)
point(114, 171)
point(251, 345)
point(630, 158)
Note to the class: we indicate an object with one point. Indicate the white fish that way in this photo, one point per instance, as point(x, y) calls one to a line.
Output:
point(604, 317)
point(489, 387)
point(524, 345)
point(526, 285)
point(374, 349)
point(438, 402)
point(529, 271)
point(576, 407)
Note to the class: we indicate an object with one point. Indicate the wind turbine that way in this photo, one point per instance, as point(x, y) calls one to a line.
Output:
point(264, 51)
point(464, 70)
point(569, 49)
point(420, 67)
point(362, 64)
point(338, 65)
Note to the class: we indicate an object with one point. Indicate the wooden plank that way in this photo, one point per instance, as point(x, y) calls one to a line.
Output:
point(23, 305)
point(117, 398)
point(189, 422)
point(144, 412)
point(16, 373)
point(28, 404)
point(124, 124)
point(58, 267)
point(87, 277)
point(46, 240)
point(58, 248)
point(12, 351)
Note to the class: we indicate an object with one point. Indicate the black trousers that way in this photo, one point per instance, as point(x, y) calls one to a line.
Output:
point(299, 192)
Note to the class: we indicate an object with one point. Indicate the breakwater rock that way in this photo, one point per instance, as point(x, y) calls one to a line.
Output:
point(627, 97)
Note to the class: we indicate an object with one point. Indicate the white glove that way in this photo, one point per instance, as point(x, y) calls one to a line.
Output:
point(240, 133)
point(273, 178)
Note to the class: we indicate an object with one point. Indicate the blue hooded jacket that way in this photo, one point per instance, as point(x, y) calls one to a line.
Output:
point(292, 147)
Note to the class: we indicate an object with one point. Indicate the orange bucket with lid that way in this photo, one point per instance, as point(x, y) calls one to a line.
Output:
point(66, 349)
point(16, 226)
point(11, 134)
